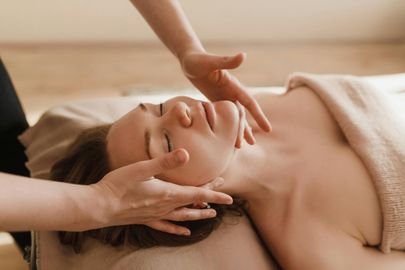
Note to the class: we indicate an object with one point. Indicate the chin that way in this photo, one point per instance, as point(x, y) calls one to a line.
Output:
point(227, 117)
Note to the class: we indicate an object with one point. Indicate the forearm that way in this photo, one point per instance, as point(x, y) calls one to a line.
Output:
point(170, 24)
point(32, 204)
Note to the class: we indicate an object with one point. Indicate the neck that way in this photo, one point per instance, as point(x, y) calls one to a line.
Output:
point(259, 171)
point(243, 175)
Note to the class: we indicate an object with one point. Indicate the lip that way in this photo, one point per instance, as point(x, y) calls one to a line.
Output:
point(210, 114)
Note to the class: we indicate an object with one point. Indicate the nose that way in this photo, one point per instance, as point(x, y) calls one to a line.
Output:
point(180, 113)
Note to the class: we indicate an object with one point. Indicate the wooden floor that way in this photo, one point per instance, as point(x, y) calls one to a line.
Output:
point(10, 258)
point(51, 74)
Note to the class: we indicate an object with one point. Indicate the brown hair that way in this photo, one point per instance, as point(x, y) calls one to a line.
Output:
point(86, 162)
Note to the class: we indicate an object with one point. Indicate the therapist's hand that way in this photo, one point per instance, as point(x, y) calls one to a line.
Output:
point(132, 196)
point(209, 73)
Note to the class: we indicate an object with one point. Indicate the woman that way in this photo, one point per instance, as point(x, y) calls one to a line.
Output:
point(308, 193)
point(19, 210)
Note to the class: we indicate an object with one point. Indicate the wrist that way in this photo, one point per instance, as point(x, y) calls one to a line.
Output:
point(90, 208)
point(99, 208)
point(187, 50)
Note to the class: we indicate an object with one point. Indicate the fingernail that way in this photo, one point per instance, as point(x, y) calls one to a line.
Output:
point(229, 200)
point(203, 205)
point(186, 233)
point(180, 156)
point(211, 213)
point(219, 182)
point(269, 127)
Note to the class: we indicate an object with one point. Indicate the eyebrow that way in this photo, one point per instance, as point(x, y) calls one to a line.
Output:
point(147, 143)
point(147, 135)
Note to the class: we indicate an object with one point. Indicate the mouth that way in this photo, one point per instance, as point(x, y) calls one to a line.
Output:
point(210, 114)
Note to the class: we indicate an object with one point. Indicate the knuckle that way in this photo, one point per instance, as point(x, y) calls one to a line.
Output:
point(169, 194)
point(166, 162)
point(210, 186)
point(198, 196)
point(222, 78)
point(147, 203)
point(224, 60)
point(186, 215)
point(145, 169)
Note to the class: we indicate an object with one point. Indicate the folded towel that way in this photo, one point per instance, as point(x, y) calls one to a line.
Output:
point(372, 117)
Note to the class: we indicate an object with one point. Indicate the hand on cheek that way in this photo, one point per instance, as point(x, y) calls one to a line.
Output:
point(213, 185)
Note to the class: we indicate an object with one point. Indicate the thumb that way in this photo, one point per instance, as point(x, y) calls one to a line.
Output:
point(215, 62)
point(143, 170)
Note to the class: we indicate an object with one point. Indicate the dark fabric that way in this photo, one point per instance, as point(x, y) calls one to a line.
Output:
point(12, 124)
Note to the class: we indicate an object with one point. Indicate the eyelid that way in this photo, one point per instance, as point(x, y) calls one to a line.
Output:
point(167, 137)
point(169, 143)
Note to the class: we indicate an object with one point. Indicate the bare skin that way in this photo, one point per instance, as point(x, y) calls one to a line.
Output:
point(309, 194)
point(311, 198)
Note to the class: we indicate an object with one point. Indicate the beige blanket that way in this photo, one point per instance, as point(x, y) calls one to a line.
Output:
point(372, 116)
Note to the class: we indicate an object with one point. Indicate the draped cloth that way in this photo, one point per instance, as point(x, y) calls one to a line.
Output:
point(371, 114)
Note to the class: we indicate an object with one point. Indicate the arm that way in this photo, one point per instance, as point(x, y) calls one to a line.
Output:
point(205, 71)
point(332, 249)
point(170, 24)
point(33, 204)
point(349, 253)
point(129, 195)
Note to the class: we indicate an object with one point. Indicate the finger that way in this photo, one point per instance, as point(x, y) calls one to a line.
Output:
point(190, 195)
point(146, 169)
point(241, 125)
point(216, 183)
point(248, 135)
point(184, 213)
point(219, 77)
point(215, 62)
point(253, 107)
point(243, 119)
point(238, 143)
point(168, 227)
point(201, 205)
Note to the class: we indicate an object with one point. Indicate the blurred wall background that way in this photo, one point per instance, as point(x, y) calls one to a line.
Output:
point(214, 20)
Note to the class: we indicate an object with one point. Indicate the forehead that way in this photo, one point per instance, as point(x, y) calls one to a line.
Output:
point(125, 140)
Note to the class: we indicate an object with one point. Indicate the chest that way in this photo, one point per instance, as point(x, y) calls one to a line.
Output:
point(329, 182)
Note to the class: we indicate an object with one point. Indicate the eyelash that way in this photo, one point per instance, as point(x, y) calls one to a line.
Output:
point(169, 143)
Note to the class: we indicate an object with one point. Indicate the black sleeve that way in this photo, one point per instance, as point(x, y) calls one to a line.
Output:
point(12, 124)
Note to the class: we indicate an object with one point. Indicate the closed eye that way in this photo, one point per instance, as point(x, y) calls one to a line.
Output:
point(169, 143)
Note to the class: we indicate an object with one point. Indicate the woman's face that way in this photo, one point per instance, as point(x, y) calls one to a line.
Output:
point(208, 132)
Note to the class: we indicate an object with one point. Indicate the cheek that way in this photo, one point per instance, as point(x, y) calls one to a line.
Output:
point(208, 160)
